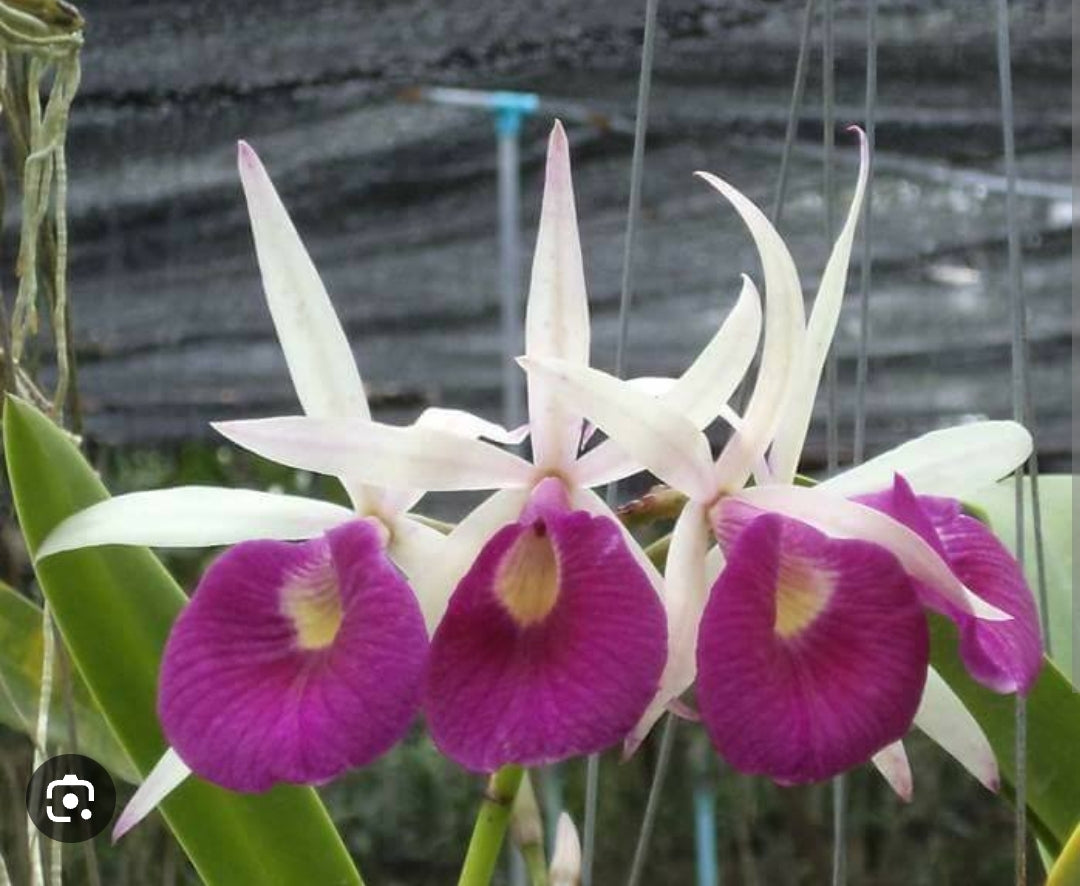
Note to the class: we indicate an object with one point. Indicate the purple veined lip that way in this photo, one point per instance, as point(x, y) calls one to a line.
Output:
point(812, 652)
point(293, 661)
point(552, 645)
point(1005, 656)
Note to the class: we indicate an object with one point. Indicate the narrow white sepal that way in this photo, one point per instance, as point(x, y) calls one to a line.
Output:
point(685, 594)
point(842, 518)
point(953, 462)
point(791, 432)
point(892, 762)
point(320, 361)
point(379, 454)
point(701, 393)
point(557, 312)
point(418, 550)
point(167, 775)
point(784, 333)
point(465, 424)
point(565, 869)
point(654, 435)
point(710, 381)
point(945, 720)
point(454, 421)
point(194, 517)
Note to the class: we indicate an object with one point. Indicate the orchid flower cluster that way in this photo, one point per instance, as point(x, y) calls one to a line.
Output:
point(537, 629)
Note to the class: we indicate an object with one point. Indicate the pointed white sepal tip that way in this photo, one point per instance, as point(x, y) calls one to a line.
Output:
point(558, 143)
point(168, 774)
point(246, 158)
point(892, 762)
point(944, 718)
point(566, 857)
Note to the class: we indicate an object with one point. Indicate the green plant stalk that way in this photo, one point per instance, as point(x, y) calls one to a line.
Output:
point(535, 864)
point(490, 828)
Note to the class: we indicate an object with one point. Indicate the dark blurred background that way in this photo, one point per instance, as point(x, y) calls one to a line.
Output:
point(397, 203)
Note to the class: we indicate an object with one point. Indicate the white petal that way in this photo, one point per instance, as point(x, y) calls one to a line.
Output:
point(557, 314)
point(685, 593)
point(194, 517)
point(465, 424)
point(791, 434)
point(701, 393)
point(384, 455)
point(784, 322)
point(954, 462)
point(435, 585)
point(566, 856)
point(661, 439)
point(892, 762)
point(846, 519)
point(168, 774)
point(707, 385)
point(945, 720)
point(317, 353)
point(320, 361)
point(604, 464)
point(454, 421)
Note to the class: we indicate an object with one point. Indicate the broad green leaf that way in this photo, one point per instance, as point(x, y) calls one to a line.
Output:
point(114, 607)
point(1053, 735)
point(997, 506)
point(21, 643)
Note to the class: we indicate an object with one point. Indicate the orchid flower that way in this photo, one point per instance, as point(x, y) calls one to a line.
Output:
point(811, 647)
point(313, 595)
point(551, 632)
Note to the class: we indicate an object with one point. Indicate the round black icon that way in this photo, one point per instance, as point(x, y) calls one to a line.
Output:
point(70, 798)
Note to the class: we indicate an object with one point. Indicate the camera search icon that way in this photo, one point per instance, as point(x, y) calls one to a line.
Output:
point(70, 798)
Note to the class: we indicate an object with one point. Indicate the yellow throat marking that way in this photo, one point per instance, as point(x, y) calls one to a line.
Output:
point(312, 602)
point(527, 580)
point(802, 592)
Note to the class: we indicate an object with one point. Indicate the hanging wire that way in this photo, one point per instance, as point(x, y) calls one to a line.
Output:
point(828, 101)
point(832, 440)
point(652, 806)
point(797, 91)
point(1022, 407)
point(866, 266)
point(637, 168)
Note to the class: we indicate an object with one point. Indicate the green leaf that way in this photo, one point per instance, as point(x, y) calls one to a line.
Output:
point(114, 607)
point(21, 642)
point(1053, 726)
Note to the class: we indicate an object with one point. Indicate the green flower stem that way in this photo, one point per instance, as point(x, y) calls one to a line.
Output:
point(490, 828)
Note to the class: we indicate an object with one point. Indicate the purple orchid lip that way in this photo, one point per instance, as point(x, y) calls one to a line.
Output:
point(812, 652)
point(1005, 656)
point(552, 645)
point(294, 661)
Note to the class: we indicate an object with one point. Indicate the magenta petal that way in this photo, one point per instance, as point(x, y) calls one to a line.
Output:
point(812, 652)
point(552, 645)
point(294, 661)
point(1005, 656)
